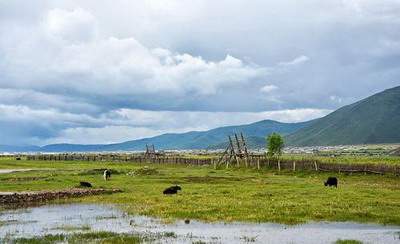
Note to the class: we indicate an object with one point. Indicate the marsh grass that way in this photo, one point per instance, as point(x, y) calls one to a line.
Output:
point(248, 239)
point(106, 217)
point(348, 242)
point(9, 222)
point(235, 194)
point(72, 228)
point(169, 234)
point(91, 237)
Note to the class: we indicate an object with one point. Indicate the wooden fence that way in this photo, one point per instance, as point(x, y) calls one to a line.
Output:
point(255, 161)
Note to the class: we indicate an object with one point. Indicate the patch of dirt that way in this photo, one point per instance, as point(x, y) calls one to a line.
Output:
point(22, 198)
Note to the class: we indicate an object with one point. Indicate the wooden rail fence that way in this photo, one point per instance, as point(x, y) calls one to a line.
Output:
point(255, 161)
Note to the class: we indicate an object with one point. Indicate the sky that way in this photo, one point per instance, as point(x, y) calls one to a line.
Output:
point(109, 71)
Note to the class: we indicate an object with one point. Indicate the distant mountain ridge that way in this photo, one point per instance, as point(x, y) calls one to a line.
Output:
point(373, 120)
point(255, 132)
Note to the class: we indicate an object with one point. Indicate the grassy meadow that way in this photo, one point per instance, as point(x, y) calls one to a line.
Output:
point(235, 194)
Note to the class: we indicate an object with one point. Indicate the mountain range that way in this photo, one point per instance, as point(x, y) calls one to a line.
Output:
point(373, 120)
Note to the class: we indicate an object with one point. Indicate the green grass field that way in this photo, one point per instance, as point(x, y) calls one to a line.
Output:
point(219, 195)
point(388, 160)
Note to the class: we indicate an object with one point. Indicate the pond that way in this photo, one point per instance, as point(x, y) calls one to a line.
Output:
point(69, 218)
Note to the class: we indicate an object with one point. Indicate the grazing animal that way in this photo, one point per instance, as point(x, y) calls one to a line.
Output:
point(332, 181)
point(18, 158)
point(85, 184)
point(172, 190)
point(106, 174)
point(178, 188)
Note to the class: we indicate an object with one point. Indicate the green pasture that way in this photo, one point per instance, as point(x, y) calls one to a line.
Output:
point(235, 194)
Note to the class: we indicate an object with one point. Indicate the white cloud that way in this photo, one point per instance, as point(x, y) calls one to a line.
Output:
point(75, 25)
point(268, 88)
point(296, 61)
point(77, 61)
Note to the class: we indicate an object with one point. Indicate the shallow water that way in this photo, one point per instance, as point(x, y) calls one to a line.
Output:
point(67, 218)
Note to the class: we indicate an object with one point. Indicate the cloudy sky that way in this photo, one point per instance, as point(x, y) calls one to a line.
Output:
point(107, 71)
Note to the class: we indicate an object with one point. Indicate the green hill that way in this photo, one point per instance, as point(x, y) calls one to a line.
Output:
point(373, 120)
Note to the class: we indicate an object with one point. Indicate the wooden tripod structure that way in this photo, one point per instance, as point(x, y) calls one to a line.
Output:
point(395, 152)
point(238, 153)
point(150, 151)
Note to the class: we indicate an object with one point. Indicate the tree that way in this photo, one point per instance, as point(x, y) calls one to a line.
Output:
point(275, 146)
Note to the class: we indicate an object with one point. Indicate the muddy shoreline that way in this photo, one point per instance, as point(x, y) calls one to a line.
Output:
point(8, 199)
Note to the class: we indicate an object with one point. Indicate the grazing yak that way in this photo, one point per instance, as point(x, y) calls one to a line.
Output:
point(107, 174)
point(172, 190)
point(332, 181)
point(85, 184)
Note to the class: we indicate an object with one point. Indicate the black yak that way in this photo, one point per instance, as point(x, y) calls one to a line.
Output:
point(172, 190)
point(332, 181)
point(85, 184)
point(107, 174)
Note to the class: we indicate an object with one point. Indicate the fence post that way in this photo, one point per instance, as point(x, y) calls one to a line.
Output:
point(279, 165)
point(316, 165)
point(294, 165)
point(258, 163)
